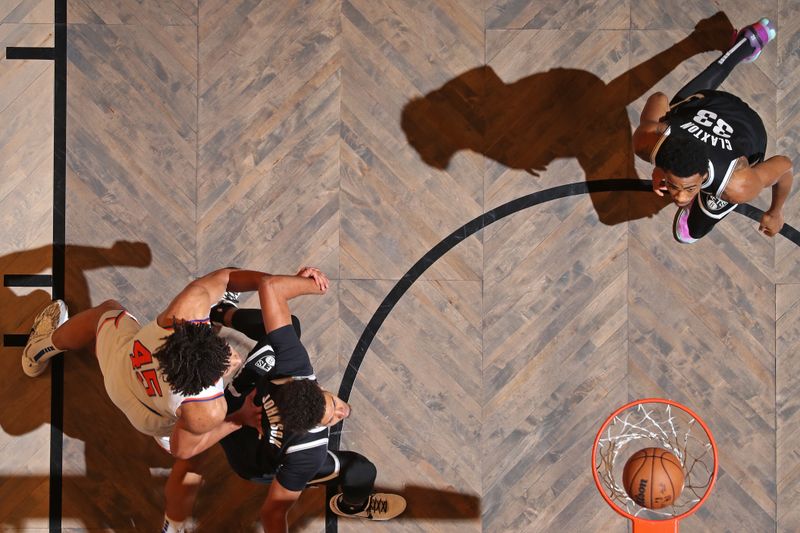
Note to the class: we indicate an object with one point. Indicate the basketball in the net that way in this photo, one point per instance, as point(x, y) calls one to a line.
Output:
point(653, 478)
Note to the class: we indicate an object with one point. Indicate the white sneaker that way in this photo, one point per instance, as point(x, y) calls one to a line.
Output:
point(46, 322)
point(231, 298)
point(758, 35)
point(380, 506)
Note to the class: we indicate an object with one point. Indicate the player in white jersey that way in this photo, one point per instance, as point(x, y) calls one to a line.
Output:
point(165, 376)
point(708, 146)
point(138, 384)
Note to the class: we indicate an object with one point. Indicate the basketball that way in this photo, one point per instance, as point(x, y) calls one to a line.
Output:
point(653, 478)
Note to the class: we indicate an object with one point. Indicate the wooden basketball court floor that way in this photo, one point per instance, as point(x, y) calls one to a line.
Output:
point(355, 135)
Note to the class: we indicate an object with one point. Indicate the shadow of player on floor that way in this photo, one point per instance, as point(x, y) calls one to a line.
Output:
point(561, 113)
point(423, 503)
point(96, 435)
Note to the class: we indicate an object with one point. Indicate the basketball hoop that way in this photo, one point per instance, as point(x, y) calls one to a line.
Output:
point(655, 422)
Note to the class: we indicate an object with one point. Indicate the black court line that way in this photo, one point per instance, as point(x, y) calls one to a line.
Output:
point(27, 280)
point(754, 213)
point(25, 52)
point(15, 340)
point(448, 243)
point(59, 255)
point(57, 54)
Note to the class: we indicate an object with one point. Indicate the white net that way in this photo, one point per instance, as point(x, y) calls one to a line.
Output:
point(662, 425)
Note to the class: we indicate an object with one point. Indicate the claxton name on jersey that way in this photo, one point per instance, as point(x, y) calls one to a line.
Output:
point(707, 138)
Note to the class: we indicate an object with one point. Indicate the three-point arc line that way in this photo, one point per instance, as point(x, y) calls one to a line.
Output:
point(471, 227)
point(58, 53)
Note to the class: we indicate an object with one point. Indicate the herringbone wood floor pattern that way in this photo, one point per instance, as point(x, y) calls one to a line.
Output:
point(355, 135)
point(26, 177)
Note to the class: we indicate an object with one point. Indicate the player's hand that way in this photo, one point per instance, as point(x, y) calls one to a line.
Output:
point(249, 414)
point(316, 274)
point(771, 223)
point(659, 181)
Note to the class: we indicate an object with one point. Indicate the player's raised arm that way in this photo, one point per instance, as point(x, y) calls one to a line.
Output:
point(275, 291)
point(194, 301)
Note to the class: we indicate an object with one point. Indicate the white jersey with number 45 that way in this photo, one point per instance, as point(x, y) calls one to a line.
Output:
point(133, 378)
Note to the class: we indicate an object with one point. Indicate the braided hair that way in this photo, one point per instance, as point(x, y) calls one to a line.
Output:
point(192, 358)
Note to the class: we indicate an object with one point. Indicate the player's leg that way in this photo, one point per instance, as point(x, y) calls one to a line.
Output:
point(357, 498)
point(247, 321)
point(747, 46)
point(356, 480)
point(693, 222)
point(80, 330)
point(180, 493)
point(53, 333)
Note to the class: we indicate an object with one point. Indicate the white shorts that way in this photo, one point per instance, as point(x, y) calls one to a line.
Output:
point(115, 331)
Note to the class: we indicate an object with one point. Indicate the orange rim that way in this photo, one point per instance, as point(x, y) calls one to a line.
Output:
point(669, 524)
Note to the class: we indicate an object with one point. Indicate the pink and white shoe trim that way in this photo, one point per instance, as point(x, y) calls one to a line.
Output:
point(758, 35)
point(680, 226)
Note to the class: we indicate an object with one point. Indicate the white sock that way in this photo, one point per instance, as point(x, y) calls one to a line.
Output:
point(171, 526)
point(45, 344)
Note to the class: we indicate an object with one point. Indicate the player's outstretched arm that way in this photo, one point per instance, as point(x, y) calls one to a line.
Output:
point(772, 220)
point(746, 184)
point(194, 301)
point(276, 507)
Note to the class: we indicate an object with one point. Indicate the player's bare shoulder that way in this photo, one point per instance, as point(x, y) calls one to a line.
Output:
point(744, 184)
point(191, 304)
point(646, 137)
point(201, 417)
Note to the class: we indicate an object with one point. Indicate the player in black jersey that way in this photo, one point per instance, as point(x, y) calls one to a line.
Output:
point(708, 146)
point(290, 449)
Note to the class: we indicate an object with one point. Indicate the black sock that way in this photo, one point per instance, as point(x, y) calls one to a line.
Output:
point(351, 508)
point(250, 322)
point(217, 312)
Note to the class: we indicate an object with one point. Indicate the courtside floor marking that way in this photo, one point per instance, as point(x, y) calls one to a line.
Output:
point(57, 54)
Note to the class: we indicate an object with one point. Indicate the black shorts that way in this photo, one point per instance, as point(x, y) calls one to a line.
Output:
point(705, 212)
point(243, 451)
point(278, 354)
point(290, 354)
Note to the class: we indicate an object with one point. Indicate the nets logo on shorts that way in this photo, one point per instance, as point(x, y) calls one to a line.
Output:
point(714, 204)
